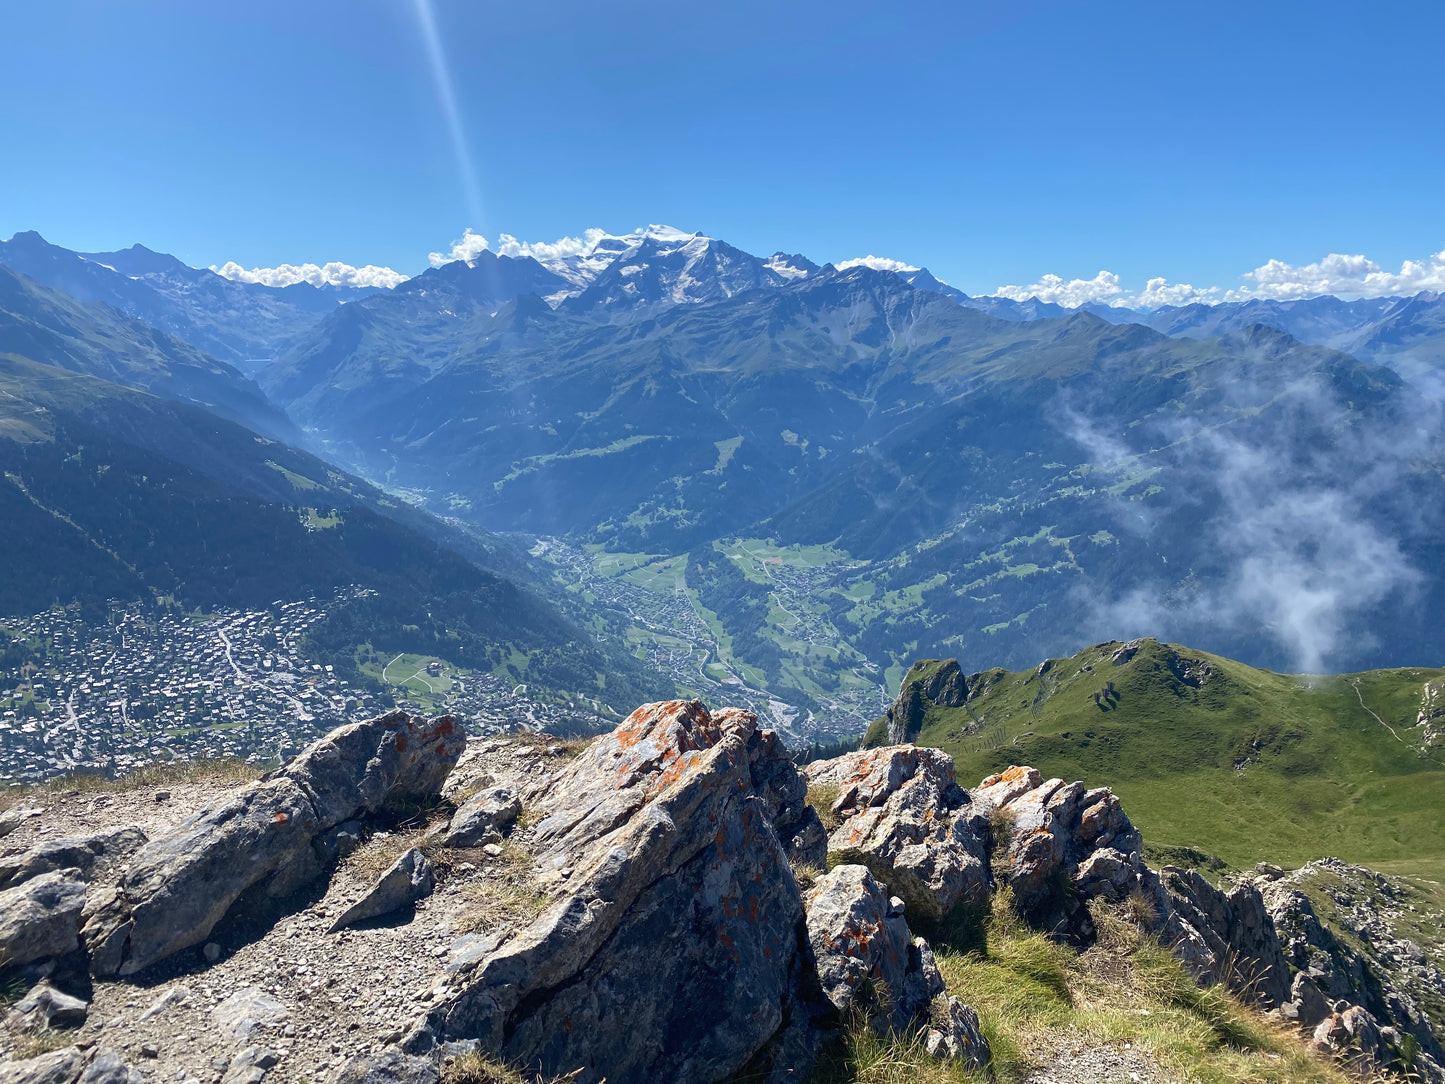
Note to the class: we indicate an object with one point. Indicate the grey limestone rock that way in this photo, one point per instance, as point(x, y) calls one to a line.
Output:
point(46, 1007)
point(956, 1036)
point(41, 917)
point(484, 818)
point(679, 882)
point(902, 814)
point(389, 1067)
point(409, 879)
point(247, 1011)
point(88, 854)
point(178, 886)
point(62, 1066)
point(866, 959)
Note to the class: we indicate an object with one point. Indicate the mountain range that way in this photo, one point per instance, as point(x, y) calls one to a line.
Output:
point(839, 468)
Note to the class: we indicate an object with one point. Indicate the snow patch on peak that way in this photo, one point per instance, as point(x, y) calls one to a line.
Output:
point(784, 267)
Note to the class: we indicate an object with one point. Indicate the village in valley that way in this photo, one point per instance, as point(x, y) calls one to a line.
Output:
point(149, 686)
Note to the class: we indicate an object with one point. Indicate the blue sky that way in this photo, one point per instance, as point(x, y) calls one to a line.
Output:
point(990, 143)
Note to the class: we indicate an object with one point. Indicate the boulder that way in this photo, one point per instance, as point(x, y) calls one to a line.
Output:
point(674, 950)
point(88, 854)
point(179, 886)
point(388, 1067)
point(46, 1007)
point(409, 879)
point(866, 960)
point(902, 814)
point(957, 1036)
point(250, 1065)
point(62, 1066)
point(108, 1068)
point(1352, 1035)
point(484, 818)
point(12, 819)
point(247, 1011)
point(41, 917)
point(1306, 1005)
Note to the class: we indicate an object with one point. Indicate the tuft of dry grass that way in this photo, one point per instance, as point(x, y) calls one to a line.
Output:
point(378, 854)
point(821, 798)
point(508, 892)
point(34, 1043)
point(560, 748)
point(476, 1069)
point(231, 770)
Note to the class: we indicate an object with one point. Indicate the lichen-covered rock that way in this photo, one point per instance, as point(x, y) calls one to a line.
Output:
point(903, 815)
point(409, 879)
point(178, 886)
point(483, 818)
point(957, 1036)
point(865, 957)
point(41, 917)
point(675, 947)
point(1060, 833)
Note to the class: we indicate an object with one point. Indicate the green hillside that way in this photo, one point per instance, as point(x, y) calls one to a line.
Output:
point(1208, 753)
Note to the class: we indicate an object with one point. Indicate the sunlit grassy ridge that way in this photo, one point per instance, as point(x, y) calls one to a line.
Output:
point(1208, 753)
point(1038, 1001)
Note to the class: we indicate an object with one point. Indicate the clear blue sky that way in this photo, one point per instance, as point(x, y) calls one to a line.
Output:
point(989, 142)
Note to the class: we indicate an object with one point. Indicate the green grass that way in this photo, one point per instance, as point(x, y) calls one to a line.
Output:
point(1036, 999)
point(1246, 764)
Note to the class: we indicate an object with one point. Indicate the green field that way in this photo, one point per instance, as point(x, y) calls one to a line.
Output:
point(409, 672)
point(1245, 764)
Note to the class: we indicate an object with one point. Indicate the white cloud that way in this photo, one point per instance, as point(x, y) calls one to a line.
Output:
point(331, 274)
point(1071, 294)
point(878, 263)
point(560, 249)
point(1343, 276)
point(468, 247)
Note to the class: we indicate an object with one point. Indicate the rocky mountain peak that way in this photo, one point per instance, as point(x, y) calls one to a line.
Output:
point(392, 900)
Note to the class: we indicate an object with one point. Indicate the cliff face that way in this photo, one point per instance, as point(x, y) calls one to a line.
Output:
point(652, 906)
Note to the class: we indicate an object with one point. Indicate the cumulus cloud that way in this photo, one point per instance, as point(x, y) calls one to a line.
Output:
point(878, 263)
point(1071, 294)
point(1343, 276)
point(560, 249)
point(1338, 275)
point(330, 274)
point(468, 247)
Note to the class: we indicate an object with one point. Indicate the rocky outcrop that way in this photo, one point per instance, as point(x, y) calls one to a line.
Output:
point(676, 880)
point(178, 886)
point(1224, 936)
point(86, 854)
point(409, 879)
point(41, 917)
point(1059, 845)
point(867, 962)
point(901, 813)
point(957, 1036)
point(928, 682)
point(71, 1065)
point(1371, 965)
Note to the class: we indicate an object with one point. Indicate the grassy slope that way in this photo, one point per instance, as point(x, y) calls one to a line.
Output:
point(1250, 765)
